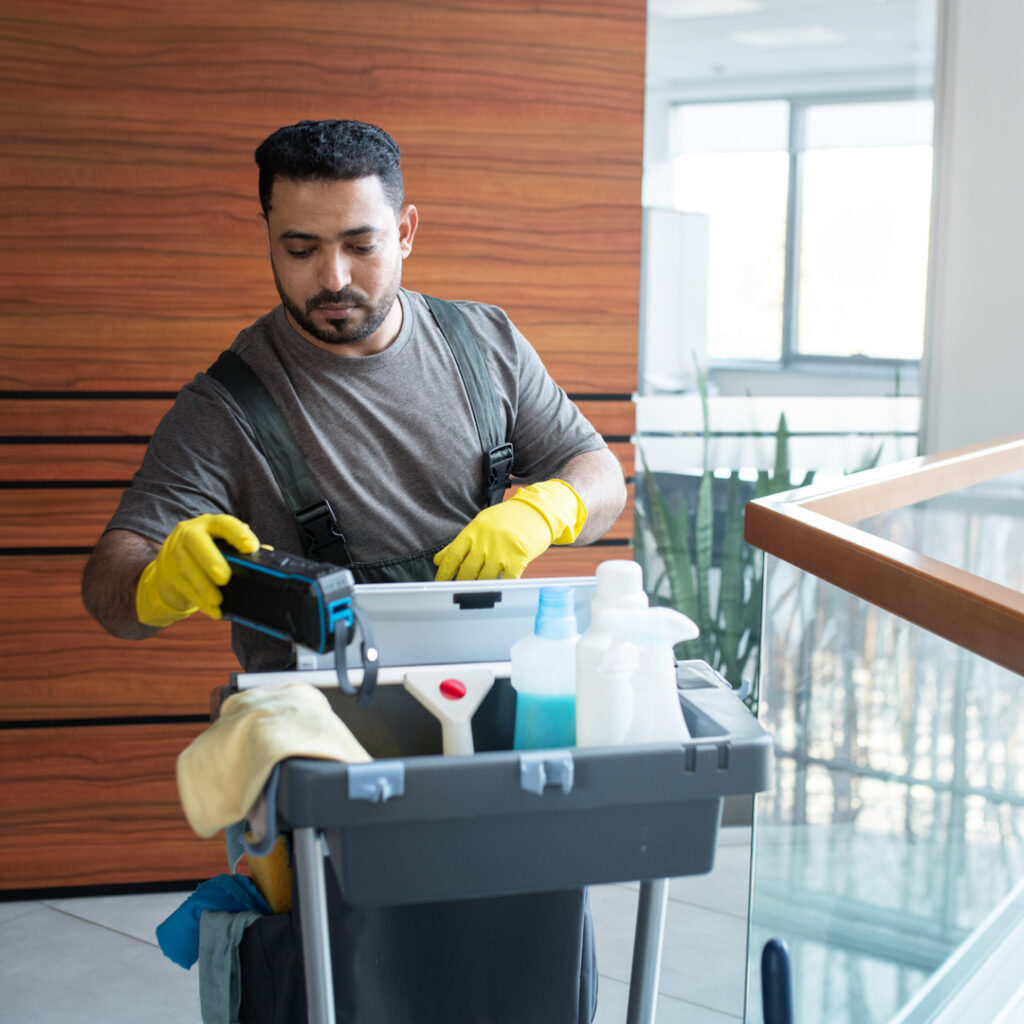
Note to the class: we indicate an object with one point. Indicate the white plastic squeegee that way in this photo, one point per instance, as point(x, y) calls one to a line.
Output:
point(451, 694)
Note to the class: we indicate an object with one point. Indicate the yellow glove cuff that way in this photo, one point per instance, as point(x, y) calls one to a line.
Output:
point(150, 607)
point(559, 505)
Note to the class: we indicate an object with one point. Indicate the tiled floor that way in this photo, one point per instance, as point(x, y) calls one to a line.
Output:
point(703, 961)
point(93, 959)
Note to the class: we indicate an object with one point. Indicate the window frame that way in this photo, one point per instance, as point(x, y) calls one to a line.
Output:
point(790, 359)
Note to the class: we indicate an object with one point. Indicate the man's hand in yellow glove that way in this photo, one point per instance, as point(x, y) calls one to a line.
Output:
point(503, 539)
point(189, 571)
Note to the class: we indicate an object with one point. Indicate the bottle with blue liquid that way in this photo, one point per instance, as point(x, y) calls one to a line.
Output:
point(544, 674)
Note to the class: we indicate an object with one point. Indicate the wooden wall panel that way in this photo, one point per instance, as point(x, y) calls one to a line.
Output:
point(38, 417)
point(61, 493)
point(84, 463)
point(135, 418)
point(73, 517)
point(66, 666)
point(132, 255)
point(88, 805)
point(521, 128)
point(41, 518)
point(64, 461)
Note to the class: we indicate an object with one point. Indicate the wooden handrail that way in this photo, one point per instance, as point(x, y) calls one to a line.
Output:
point(813, 529)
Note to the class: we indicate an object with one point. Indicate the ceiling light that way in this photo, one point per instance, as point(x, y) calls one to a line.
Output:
point(774, 39)
point(704, 8)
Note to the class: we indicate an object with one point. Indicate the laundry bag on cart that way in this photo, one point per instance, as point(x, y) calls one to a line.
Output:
point(460, 895)
point(510, 959)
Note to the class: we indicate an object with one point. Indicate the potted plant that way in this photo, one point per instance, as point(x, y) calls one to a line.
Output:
point(689, 539)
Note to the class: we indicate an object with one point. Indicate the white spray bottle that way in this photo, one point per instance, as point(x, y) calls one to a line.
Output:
point(604, 671)
point(619, 585)
point(657, 715)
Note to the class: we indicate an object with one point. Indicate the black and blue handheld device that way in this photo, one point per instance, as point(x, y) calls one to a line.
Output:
point(297, 599)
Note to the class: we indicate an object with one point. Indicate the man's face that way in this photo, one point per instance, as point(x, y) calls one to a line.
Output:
point(336, 249)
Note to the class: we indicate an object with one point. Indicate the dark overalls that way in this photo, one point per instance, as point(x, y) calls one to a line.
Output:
point(500, 960)
point(322, 537)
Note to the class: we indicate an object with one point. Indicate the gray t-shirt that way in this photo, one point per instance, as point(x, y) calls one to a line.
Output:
point(390, 439)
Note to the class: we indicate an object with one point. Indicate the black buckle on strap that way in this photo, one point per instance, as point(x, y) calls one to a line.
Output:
point(499, 471)
point(322, 539)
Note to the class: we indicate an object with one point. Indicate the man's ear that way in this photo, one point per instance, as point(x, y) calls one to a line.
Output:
point(408, 219)
point(264, 223)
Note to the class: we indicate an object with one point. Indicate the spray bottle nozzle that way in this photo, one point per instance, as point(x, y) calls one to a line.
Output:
point(659, 625)
point(654, 632)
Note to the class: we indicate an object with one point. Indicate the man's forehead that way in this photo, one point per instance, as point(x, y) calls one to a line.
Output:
point(368, 189)
point(317, 208)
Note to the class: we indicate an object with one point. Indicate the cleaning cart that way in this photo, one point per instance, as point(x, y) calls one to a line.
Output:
point(416, 828)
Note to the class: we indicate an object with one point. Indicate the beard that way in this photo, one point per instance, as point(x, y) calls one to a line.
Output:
point(351, 329)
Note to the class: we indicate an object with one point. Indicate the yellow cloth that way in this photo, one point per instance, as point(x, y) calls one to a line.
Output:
point(222, 772)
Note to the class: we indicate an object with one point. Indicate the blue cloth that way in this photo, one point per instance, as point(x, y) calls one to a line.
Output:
point(178, 936)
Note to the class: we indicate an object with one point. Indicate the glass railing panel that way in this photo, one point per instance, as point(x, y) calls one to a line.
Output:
point(895, 828)
point(979, 529)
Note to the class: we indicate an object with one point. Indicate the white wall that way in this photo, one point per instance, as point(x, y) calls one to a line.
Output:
point(974, 369)
point(673, 299)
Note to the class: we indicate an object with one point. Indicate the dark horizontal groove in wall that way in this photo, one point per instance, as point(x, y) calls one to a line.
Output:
point(144, 438)
point(32, 552)
point(576, 396)
point(105, 395)
point(27, 552)
point(76, 439)
point(92, 723)
point(136, 888)
point(60, 485)
point(73, 485)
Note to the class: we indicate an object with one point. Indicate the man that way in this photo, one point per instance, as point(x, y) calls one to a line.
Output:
point(370, 390)
point(372, 394)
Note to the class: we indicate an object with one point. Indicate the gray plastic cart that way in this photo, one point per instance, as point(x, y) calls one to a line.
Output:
point(503, 822)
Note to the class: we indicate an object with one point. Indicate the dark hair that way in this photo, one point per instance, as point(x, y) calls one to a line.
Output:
point(330, 151)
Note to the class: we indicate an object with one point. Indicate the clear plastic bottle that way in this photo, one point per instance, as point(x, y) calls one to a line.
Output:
point(619, 586)
point(653, 632)
point(604, 688)
point(604, 684)
point(544, 674)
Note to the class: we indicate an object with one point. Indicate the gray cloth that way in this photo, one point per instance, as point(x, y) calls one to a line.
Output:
point(390, 438)
point(220, 972)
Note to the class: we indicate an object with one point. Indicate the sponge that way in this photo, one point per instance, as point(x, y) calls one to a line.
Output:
point(272, 874)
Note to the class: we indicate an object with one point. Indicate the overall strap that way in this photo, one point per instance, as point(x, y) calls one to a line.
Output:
point(483, 399)
point(322, 538)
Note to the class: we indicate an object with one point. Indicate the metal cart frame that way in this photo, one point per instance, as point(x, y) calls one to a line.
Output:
point(647, 813)
point(308, 847)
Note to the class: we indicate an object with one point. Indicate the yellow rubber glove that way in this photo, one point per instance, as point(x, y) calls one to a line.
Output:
point(503, 539)
point(188, 571)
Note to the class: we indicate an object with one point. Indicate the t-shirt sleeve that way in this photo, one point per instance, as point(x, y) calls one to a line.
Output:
point(549, 428)
point(193, 464)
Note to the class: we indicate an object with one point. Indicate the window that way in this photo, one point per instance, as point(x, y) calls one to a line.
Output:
point(818, 215)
